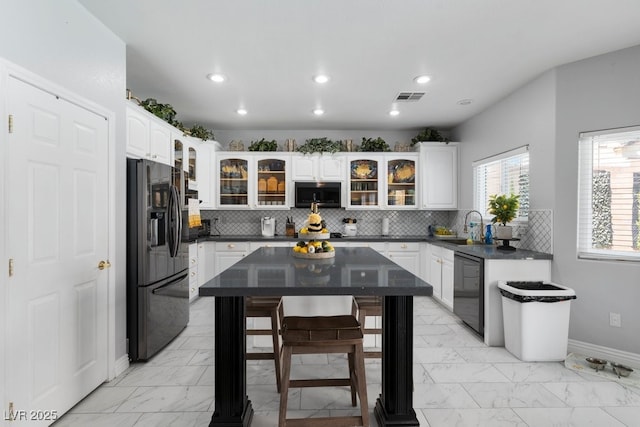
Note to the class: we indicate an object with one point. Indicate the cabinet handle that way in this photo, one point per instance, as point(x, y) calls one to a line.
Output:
point(230, 246)
point(403, 246)
point(193, 273)
point(193, 261)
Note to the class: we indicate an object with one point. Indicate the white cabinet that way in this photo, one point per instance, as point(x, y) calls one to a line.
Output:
point(406, 255)
point(401, 176)
point(206, 262)
point(204, 153)
point(439, 169)
point(447, 278)
point(441, 273)
point(147, 136)
point(376, 180)
point(193, 271)
point(228, 253)
point(254, 181)
point(318, 167)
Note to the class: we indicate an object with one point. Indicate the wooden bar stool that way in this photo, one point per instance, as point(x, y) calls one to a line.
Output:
point(266, 307)
point(369, 306)
point(320, 335)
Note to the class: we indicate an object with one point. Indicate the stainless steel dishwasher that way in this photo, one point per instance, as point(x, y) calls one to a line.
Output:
point(468, 290)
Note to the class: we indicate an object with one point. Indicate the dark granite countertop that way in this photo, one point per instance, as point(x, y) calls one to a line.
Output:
point(272, 271)
point(477, 250)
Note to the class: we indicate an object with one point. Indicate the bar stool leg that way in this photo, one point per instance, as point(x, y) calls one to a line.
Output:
point(284, 390)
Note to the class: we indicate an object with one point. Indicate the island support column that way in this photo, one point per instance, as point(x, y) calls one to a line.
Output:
point(394, 407)
point(232, 406)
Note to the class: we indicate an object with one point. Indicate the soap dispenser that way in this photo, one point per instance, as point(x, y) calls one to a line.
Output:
point(488, 235)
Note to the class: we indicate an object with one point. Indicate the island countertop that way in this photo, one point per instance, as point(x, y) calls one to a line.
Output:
point(270, 271)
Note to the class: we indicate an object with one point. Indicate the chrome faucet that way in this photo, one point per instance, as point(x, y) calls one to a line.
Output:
point(481, 224)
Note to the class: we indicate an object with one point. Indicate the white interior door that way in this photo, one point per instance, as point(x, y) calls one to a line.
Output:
point(57, 211)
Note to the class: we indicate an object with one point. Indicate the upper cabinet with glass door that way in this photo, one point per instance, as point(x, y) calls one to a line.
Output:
point(233, 181)
point(255, 181)
point(363, 182)
point(272, 183)
point(401, 179)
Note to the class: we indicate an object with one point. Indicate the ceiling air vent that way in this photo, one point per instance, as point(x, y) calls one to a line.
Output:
point(409, 96)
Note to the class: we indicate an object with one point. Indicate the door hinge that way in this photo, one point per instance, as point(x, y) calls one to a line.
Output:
point(10, 123)
point(10, 267)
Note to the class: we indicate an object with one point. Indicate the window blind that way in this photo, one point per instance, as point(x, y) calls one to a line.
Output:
point(504, 173)
point(609, 194)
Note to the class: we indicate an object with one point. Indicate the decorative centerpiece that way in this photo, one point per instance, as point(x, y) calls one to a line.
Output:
point(505, 209)
point(317, 246)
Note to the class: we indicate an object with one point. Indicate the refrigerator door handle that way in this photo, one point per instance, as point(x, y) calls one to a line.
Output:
point(159, 289)
point(174, 222)
point(178, 218)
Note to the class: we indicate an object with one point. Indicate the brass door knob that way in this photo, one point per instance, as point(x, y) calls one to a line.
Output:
point(103, 264)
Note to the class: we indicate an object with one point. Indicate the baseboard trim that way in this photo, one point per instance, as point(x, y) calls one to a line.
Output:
point(122, 364)
point(611, 354)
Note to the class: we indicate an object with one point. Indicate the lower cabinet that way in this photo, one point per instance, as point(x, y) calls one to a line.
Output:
point(441, 273)
point(406, 255)
point(228, 253)
point(193, 271)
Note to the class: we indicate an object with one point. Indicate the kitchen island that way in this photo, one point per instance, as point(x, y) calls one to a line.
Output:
point(271, 271)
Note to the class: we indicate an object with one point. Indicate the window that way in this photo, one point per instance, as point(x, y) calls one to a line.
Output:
point(505, 173)
point(609, 194)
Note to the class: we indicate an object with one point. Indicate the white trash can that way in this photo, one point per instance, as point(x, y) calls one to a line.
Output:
point(536, 319)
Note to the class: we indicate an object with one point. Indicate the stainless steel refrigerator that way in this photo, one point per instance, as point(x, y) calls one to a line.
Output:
point(157, 260)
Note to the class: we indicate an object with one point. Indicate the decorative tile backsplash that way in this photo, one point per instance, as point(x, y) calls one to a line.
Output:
point(536, 235)
point(401, 223)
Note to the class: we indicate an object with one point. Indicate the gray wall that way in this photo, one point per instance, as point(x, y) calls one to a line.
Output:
point(549, 113)
point(527, 116)
point(60, 41)
point(597, 93)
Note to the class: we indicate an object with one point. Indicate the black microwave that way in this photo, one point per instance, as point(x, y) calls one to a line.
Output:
point(325, 194)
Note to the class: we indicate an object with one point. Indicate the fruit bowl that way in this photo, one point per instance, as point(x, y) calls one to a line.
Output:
point(316, 255)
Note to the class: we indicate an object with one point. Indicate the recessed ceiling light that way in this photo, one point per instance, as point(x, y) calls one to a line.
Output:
point(394, 112)
point(218, 78)
point(422, 79)
point(318, 111)
point(465, 101)
point(321, 78)
point(241, 111)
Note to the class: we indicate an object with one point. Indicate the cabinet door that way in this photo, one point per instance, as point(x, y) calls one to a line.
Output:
point(272, 183)
point(228, 253)
point(304, 167)
point(435, 270)
point(233, 182)
point(137, 134)
point(410, 261)
point(193, 271)
point(401, 181)
point(203, 167)
point(440, 176)
point(331, 168)
point(160, 143)
point(447, 279)
point(363, 184)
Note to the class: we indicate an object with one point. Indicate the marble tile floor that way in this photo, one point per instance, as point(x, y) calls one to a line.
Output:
point(458, 382)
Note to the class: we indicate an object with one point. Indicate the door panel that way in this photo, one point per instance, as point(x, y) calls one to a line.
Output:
point(58, 233)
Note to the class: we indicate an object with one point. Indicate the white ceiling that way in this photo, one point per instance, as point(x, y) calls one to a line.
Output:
point(372, 50)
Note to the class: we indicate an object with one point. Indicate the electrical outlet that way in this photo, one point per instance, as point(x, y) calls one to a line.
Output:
point(615, 320)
